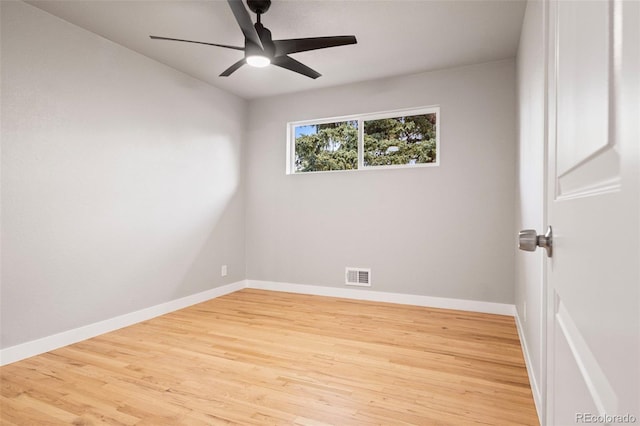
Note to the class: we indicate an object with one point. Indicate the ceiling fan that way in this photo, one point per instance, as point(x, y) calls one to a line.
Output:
point(261, 50)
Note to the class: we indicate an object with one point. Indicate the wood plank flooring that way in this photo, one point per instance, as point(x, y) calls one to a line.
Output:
point(265, 358)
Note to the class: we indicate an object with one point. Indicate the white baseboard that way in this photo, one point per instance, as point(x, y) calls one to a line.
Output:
point(381, 296)
point(49, 343)
point(535, 386)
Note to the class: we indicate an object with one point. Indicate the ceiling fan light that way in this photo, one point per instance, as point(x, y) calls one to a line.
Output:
point(258, 61)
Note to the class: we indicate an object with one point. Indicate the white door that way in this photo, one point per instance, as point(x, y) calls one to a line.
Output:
point(593, 277)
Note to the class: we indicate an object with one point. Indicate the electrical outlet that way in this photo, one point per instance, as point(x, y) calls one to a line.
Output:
point(223, 271)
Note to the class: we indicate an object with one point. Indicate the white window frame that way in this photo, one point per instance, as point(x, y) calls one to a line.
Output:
point(361, 118)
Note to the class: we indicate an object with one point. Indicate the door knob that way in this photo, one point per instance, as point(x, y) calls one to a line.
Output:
point(529, 240)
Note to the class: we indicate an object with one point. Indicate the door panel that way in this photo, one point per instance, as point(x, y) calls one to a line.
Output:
point(583, 56)
point(568, 375)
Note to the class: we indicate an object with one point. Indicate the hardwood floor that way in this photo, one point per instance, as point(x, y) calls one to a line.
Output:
point(262, 358)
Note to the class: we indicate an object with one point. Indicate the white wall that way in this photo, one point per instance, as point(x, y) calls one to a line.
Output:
point(121, 179)
point(530, 190)
point(444, 231)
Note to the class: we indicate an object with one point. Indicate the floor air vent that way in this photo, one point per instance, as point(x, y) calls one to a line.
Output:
point(358, 276)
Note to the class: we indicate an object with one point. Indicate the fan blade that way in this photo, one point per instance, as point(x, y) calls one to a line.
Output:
point(198, 42)
point(295, 66)
point(293, 45)
point(233, 68)
point(244, 20)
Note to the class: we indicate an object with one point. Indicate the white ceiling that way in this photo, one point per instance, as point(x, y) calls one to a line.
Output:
point(395, 37)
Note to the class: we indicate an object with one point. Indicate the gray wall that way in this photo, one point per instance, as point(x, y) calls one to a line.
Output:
point(121, 179)
point(530, 190)
point(442, 231)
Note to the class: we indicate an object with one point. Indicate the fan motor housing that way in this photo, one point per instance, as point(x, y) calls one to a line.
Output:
point(259, 6)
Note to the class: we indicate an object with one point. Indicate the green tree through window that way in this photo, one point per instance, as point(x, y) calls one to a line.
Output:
point(400, 141)
point(330, 146)
point(395, 141)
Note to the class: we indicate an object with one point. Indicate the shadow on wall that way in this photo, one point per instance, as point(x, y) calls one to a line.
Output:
point(199, 227)
point(223, 245)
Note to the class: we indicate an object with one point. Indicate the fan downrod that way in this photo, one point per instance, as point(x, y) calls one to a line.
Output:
point(259, 6)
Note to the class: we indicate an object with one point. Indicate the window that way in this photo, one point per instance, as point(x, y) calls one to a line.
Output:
point(326, 146)
point(408, 138)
